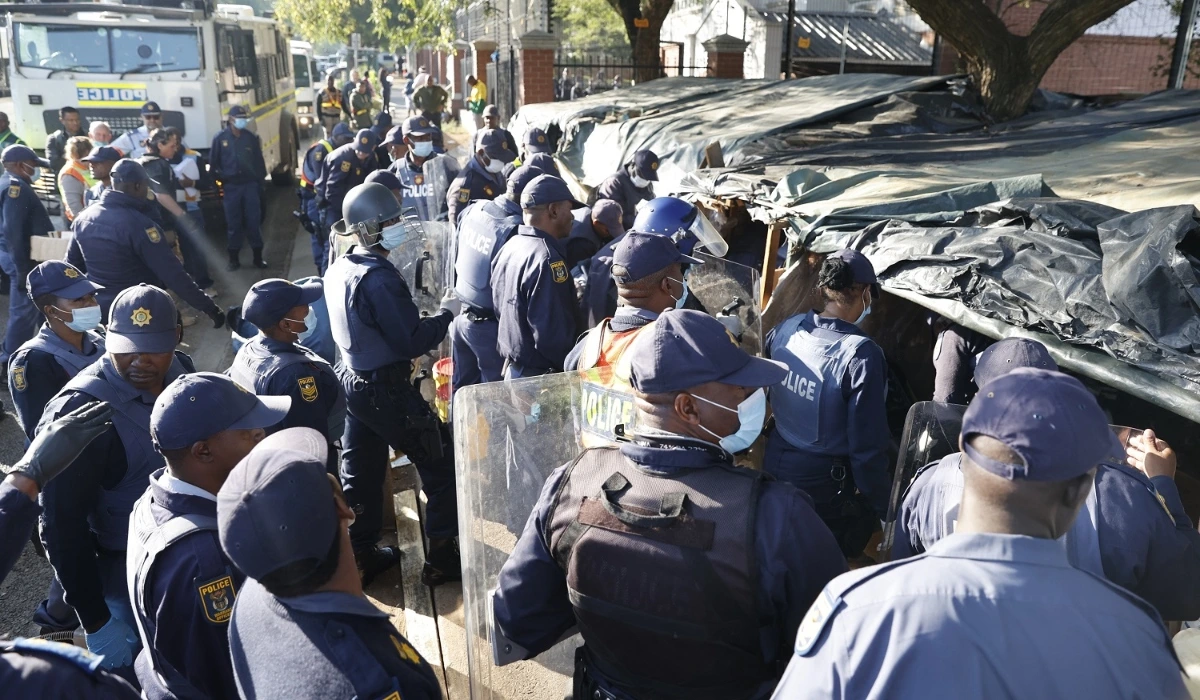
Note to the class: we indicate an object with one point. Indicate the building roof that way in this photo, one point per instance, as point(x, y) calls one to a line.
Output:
point(871, 39)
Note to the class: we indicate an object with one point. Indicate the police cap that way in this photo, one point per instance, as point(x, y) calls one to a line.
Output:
point(609, 213)
point(142, 319)
point(238, 111)
point(1009, 354)
point(151, 109)
point(62, 279)
point(341, 134)
point(860, 268)
point(197, 406)
point(128, 171)
point(645, 164)
point(277, 508)
point(1047, 418)
point(639, 255)
point(20, 153)
point(546, 189)
point(496, 146)
point(104, 154)
point(386, 178)
point(365, 141)
point(491, 111)
point(536, 141)
point(685, 348)
point(545, 162)
point(419, 125)
point(519, 179)
point(394, 137)
point(269, 300)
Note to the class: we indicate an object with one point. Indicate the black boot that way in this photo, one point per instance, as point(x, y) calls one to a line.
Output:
point(375, 561)
point(234, 263)
point(442, 563)
point(258, 261)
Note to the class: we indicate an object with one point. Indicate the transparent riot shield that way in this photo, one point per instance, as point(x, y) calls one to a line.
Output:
point(421, 259)
point(508, 437)
point(728, 289)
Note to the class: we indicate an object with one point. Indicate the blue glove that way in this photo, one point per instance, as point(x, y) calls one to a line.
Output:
point(114, 641)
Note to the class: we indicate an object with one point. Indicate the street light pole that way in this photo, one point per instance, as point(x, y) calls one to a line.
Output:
point(789, 39)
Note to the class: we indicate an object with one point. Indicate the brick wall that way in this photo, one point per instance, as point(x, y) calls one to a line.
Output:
point(537, 75)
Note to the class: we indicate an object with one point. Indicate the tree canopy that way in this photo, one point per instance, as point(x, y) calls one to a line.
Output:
point(383, 23)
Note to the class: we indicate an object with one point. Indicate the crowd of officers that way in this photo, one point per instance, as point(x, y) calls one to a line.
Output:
point(212, 533)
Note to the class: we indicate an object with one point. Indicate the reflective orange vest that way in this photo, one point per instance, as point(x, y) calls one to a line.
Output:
point(606, 395)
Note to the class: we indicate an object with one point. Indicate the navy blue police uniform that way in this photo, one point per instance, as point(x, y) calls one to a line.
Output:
point(270, 367)
point(328, 644)
point(425, 187)
point(119, 245)
point(621, 188)
point(180, 584)
point(85, 525)
point(237, 161)
point(762, 559)
point(310, 172)
point(486, 226)
point(22, 216)
point(475, 181)
point(33, 669)
point(342, 171)
point(976, 592)
point(585, 240)
point(533, 295)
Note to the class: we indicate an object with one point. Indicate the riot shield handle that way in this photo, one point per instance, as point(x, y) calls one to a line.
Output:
point(420, 274)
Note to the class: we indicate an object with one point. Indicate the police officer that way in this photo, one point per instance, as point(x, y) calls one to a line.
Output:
point(1032, 443)
point(100, 163)
point(85, 525)
point(595, 227)
point(532, 292)
point(302, 627)
point(310, 171)
point(491, 120)
point(56, 143)
point(1133, 530)
point(481, 178)
point(486, 226)
point(649, 273)
point(119, 245)
point(831, 436)
point(62, 347)
point(379, 332)
point(545, 162)
point(389, 180)
point(237, 160)
point(180, 584)
point(345, 168)
point(132, 144)
point(536, 141)
point(32, 669)
point(724, 600)
point(381, 128)
point(274, 363)
point(22, 216)
point(631, 184)
point(424, 174)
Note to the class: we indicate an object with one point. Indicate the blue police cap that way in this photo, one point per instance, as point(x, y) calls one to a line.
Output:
point(365, 141)
point(645, 164)
point(384, 120)
point(418, 125)
point(545, 162)
point(104, 154)
point(20, 153)
point(269, 300)
point(860, 267)
point(491, 111)
point(150, 109)
point(639, 255)
point(536, 141)
point(61, 279)
point(1046, 417)
point(547, 189)
point(342, 133)
point(685, 348)
point(395, 136)
point(609, 213)
point(495, 144)
point(129, 171)
point(519, 179)
point(142, 319)
point(276, 507)
point(238, 111)
point(1011, 353)
point(386, 178)
point(197, 406)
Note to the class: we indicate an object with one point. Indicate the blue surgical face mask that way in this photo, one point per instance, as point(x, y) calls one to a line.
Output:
point(241, 122)
point(393, 236)
point(310, 326)
point(752, 412)
point(83, 319)
point(865, 312)
point(683, 297)
point(422, 149)
point(307, 325)
point(37, 174)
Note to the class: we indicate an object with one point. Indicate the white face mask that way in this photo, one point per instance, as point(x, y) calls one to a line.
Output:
point(494, 166)
point(865, 312)
point(422, 149)
point(752, 413)
point(639, 182)
point(682, 297)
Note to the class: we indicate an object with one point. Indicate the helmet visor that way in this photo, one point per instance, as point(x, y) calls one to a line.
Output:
point(707, 235)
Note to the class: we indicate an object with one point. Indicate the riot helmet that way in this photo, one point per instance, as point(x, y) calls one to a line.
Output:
point(683, 221)
point(372, 214)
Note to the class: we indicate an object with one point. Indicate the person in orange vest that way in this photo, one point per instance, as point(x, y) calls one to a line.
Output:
point(75, 179)
point(329, 106)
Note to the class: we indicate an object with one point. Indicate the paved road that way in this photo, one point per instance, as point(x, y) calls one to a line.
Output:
point(210, 348)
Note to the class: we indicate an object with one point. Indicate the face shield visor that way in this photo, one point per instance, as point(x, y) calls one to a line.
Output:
point(705, 234)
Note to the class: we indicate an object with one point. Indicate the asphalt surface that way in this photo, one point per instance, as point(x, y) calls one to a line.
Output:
point(210, 348)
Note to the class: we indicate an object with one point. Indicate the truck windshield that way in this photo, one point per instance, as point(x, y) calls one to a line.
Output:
point(300, 69)
point(107, 49)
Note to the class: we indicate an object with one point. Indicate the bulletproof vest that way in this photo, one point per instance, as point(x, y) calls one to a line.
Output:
point(605, 393)
point(418, 191)
point(73, 362)
point(482, 232)
point(255, 365)
point(148, 539)
point(361, 347)
point(809, 405)
point(109, 519)
point(661, 574)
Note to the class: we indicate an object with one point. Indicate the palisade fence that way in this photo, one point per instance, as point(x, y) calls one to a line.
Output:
point(579, 72)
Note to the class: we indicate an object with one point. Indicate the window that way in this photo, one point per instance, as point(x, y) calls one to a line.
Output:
point(300, 68)
point(107, 49)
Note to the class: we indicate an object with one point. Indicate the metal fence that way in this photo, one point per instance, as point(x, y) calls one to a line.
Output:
point(503, 78)
point(579, 72)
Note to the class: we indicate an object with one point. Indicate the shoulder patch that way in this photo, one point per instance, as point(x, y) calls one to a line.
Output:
point(406, 652)
point(224, 143)
point(345, 166)
point(216, 598)
point(559, 268)
point(19, 383)
point(14, 191)
point(488, 191)
point(815, 620)
point(153, 234)
point(308, 388)
point(464, 195)
point(320, 155)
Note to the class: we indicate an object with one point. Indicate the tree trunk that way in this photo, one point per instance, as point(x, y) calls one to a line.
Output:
point(646, 54)
point(1007, 81)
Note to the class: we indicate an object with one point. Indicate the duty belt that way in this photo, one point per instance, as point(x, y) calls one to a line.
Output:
point(476, 315)
point(395, 373)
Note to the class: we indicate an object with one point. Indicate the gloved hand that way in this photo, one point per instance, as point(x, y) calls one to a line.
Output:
point(733, 324)
point(114, 641)
point(218, 318)
point(56, 447)
point(451, 303)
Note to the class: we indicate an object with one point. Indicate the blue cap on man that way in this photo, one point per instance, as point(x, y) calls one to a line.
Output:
point(545, 163)
point(685, 348)
point(104, 154)
point(1006, 355)
point(394, 137)
point(519, 179)
point(277, 508)
point(341, 134)
point(365, 141)
point(645, 164)
point(495, 145)
point(238, 111)
point(20, 153)
point(151, 109)
point(639, 255)
point(269, 300)
point(197, 406)
point(547, 189)
point(536, 141)
point(861, 268)
point(142, 319)
point(386, 178)
point(62, 279)
point(419, 126)
point(129, 171)
point(1047, 418)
